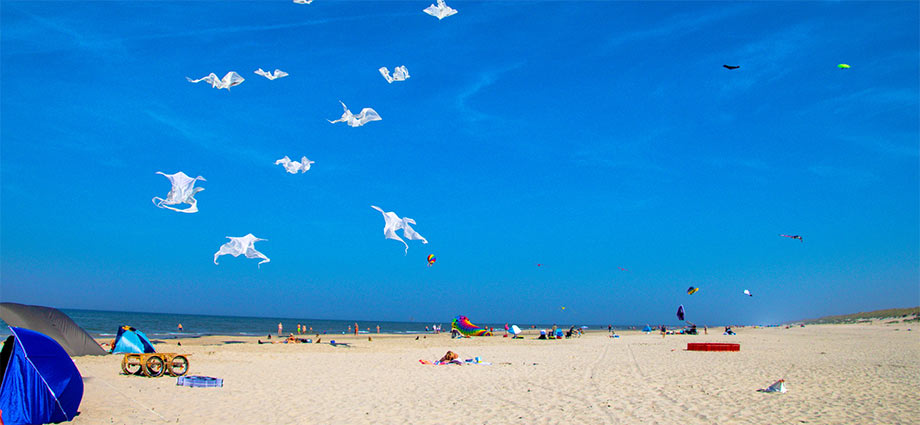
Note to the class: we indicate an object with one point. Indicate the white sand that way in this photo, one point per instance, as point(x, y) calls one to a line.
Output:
point(835, 374)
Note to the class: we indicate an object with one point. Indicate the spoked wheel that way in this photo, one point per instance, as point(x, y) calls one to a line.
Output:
point(131, 367)
point(178, 366)
point(154, 366)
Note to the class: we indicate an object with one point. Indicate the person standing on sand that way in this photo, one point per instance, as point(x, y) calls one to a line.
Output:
point(180, 327)
point(378, 328)
point(356, 328)
point(280, 328)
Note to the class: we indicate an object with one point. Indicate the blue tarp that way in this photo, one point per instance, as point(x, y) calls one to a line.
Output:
point(130, 340)
point(40, 383)
point(647, 328)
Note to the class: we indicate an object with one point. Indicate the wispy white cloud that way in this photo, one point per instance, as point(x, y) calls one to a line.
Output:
point(766, 59)
point(852, 175)
point(630, 153)
point(29, 33)
point(206, 139)
point(485, 80)
point(677, 27)
point(898, 144)
point(868, 102)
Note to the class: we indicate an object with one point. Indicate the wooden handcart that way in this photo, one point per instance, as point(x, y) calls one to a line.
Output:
point(155, 364)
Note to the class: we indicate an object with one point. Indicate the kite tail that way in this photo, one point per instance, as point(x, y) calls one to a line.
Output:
point(189, 210)
point(192, 209)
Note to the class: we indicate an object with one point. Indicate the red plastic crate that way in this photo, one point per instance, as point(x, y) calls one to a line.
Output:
point(712, 346)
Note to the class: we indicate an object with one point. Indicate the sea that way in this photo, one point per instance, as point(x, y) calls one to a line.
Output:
point(103, 324)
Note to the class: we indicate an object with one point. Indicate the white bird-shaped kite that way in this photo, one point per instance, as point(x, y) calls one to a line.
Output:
point(241, 246)
point(293, 166)
point(303, 1)
point(229, 80)
point(748, 293)
point(271, 76)
point(183, 191)
point(400, 73)
point(366, 115)
point(441, 11)
point(394, 223)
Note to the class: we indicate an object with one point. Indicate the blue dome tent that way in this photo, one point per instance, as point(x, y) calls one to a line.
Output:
point(39, 382)
point(130, 340)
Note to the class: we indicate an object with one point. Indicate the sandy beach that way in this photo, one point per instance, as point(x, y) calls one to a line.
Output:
point(835, 374)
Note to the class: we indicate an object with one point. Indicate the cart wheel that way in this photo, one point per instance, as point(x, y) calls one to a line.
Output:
point(178, 366)
point(154, 366)
point(130, 368)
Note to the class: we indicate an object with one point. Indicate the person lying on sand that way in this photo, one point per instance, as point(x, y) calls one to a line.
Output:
point(450, 355)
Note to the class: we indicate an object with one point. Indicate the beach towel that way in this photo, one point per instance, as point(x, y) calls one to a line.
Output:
point(440, 363)
point(200, 381)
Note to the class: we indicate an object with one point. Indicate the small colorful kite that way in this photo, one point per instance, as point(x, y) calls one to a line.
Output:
point(622, 269)
point(539, 265)
point(691, 290)
point(431, 259)
point(794, 237)
point(680, 312)
point(843, 66)
point(748, 293)
point(563, 308)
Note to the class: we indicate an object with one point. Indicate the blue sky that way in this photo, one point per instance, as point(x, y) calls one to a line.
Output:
point(585, 136)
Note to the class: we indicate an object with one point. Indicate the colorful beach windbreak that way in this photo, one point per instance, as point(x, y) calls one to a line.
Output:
point(463, 325)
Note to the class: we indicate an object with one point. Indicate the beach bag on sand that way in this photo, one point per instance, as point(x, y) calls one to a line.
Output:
point(777, 387)
point(200, 381)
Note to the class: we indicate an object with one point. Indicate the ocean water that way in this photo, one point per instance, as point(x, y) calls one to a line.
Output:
point(162, 326)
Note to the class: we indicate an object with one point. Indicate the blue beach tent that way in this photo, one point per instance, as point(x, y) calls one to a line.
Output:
point(39, 382)
point(130, 340)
